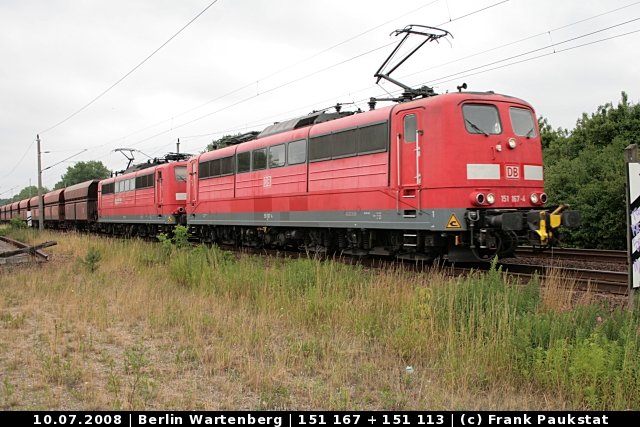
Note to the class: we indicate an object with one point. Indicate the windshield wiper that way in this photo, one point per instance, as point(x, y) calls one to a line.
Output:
point(476, 127)
point(530, 133)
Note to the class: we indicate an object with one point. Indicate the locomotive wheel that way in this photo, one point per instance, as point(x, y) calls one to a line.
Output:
point(485, 254)
point(508, 245)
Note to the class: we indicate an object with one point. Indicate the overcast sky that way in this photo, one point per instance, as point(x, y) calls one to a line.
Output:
point(244, 64)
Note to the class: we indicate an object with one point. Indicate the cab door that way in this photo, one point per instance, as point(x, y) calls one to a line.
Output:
point(192, 185)
point(409, 145)
point(159, 192)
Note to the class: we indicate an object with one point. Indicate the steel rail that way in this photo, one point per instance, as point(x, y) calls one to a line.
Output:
point(597, 255)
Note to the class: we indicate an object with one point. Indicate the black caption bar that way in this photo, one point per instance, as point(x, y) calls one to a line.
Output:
point(318, 418)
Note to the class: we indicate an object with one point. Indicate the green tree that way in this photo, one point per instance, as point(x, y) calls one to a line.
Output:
point(27, 193)
point(549, 135)
point(83, 171)
point(585, 168)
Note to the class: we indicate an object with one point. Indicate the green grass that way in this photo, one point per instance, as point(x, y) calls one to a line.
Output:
point(152, 326)
point(479, 330)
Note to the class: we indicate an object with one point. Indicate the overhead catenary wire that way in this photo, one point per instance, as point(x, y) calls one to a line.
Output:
point(281, 70)
point(547, 32)
point(551, 45)
point(104, 92)
point(316, 73)
point(485, 67)
point(290, 82)
point(548, 54)
point(434, 80)
point(64, 160)
point(15, 165)
point(443, 79)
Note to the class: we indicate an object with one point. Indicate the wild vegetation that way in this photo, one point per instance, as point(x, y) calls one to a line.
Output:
point(585, 168)
point(81, 172)
point(117, 324)
point(111, 324)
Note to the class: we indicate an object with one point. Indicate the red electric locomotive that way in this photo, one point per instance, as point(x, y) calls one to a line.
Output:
point(148, 199)
point(458, 174)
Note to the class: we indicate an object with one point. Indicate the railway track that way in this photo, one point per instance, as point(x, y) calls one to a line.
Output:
point(606, 281)
point(602, 270)
point(599, 280)
point(603, 281)
point(612, 282)
point(596, 255)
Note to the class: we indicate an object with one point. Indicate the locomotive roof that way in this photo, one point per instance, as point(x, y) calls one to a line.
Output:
point(157, 161)
point(299, 122)
point(317, 123)
point(134, 172)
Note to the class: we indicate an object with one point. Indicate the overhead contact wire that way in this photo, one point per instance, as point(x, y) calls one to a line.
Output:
point(104, 92)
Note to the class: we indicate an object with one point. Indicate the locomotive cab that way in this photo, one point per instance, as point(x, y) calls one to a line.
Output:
point(495, 148)
point(145, 200)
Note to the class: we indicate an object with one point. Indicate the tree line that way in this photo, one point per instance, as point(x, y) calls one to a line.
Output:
point(585, 168)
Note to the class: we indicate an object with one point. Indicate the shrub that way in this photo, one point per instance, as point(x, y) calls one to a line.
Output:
point(17, 223)
point(91, 259)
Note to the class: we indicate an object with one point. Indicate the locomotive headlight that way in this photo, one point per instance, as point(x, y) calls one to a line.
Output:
point(491, 198)
point(534, 198)
point(512, 143)
point(478, 198)
point(543, 198)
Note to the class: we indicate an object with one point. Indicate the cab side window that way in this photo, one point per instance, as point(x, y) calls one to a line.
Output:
point(410, 127)
point(244, 161)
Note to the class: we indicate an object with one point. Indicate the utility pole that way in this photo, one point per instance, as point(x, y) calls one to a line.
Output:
point(40, 204)
point(178, 146)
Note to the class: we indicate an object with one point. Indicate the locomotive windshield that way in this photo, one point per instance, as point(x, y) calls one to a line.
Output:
point(481, 118)
point(181, 173)
point(522, 122)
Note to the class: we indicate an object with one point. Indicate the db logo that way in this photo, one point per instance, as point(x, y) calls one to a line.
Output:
point(513, 172)
point(266, 181)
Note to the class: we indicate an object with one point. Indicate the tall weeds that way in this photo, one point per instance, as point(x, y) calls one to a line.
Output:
point(170, 325)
